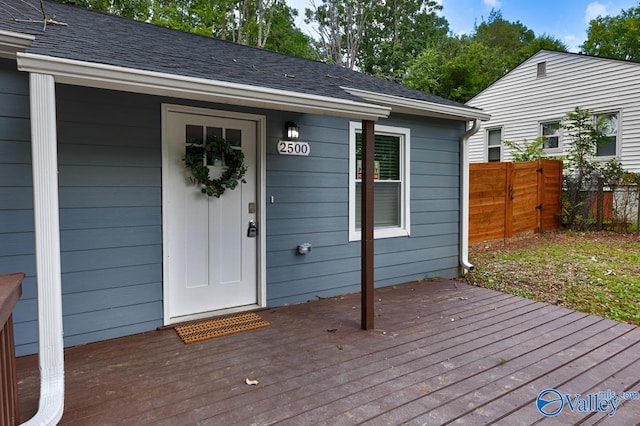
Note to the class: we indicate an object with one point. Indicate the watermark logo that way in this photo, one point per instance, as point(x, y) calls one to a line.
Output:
point(551, 402)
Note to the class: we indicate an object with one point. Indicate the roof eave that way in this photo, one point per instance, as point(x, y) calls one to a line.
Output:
point(104, 76)
point(419, 107)
point(12, 43)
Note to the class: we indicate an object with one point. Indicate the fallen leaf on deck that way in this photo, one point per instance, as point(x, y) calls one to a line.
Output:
point(251, 382)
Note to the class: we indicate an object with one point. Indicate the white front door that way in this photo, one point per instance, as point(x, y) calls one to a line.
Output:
point(210, 261)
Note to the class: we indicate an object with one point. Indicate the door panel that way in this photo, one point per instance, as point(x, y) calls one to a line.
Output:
point(210, 262)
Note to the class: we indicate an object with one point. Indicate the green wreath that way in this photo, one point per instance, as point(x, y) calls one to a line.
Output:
point(232, 158)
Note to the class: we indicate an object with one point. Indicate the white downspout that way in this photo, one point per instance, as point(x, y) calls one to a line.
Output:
point(464, 195)
point(44, 146)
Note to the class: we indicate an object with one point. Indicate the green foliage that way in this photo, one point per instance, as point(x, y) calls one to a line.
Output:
point(233, 160)
point(395, 35)
point(133, 9)
point(526, 151)
point(340, 26)
point(615, 36)
point(407, 41)
point(266, 24)
point(583, 136)
point(457, 73)
point(378, 38)
point(593, 272)
point(458, 68)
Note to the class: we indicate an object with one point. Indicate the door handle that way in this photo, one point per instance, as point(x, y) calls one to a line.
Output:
point(252, 231)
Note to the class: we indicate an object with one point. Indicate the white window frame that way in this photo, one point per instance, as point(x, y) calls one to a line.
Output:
point(560, 148)
point(405, 212)
point(618, 113)
point(487, 146)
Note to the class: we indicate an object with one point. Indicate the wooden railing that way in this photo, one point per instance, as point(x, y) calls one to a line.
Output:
point(10, 291)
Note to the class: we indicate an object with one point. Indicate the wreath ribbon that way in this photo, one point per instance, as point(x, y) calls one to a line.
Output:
point(233, 159)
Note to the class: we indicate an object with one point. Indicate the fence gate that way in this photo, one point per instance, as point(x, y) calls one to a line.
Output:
point(506, 199)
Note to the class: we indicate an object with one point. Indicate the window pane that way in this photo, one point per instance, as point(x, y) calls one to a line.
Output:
point(551, 142)
point(234, 137)
point(193, 134)
point(608, 125)
point(494, 154)
point(495, 137)
point(214, 132)
point(214, 158)
point(386, 201)
point(387, 157)
point(551, 133)
point(607, 148)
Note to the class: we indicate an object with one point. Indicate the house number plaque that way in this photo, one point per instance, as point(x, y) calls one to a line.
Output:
point(293, 148)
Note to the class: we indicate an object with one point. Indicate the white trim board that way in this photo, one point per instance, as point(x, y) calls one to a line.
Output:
point(155, 83)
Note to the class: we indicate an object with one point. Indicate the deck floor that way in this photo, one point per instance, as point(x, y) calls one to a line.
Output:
point(442, 352)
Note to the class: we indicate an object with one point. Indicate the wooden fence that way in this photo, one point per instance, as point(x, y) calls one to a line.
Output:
point(506, 199)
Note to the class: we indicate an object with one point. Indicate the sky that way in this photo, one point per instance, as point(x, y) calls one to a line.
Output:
point(566, 20)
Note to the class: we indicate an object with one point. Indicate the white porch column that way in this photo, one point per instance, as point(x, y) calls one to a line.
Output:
point(44, 153)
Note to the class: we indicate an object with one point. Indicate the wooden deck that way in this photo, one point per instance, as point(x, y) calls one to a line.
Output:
point(442, 352)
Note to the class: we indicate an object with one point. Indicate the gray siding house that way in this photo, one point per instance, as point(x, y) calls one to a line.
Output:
point(96, 204)
point(532, 99)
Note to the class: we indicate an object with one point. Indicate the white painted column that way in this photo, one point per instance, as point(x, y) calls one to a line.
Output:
point(44, 147)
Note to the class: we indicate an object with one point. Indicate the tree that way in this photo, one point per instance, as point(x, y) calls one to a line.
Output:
point(396, 33)
point(261, 23)
point(379, 38)
point(615, 36)
point(498, 33)
point(526, 151)
point(461, 67)
point(583, 133)
point(341, 26)
point(458, 72)
point(133, 9)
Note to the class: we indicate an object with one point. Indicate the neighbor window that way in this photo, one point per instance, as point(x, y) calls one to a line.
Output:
point(494, 144)
point(391, 186)
point(551, 133)
point(608, 125)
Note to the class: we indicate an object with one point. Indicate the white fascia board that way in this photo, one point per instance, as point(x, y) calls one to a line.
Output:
point(11, 43)
point(419, 107)
point(155, 83)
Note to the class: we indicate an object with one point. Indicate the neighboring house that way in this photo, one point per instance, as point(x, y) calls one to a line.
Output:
point(94, 115)
point(532, 100)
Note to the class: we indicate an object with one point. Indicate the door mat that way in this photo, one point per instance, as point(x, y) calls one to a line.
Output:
point(229, 324)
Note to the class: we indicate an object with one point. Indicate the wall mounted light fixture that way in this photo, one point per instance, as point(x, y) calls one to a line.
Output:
point(291, 130)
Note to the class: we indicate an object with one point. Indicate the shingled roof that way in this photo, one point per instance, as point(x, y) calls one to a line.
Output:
point(98, 38)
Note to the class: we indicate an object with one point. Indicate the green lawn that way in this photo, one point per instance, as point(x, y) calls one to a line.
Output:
point(593, 272)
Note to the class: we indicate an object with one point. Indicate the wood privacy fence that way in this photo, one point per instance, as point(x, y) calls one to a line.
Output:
point(506, 199)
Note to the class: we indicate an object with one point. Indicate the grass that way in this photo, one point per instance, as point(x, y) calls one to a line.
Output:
point(592, 272)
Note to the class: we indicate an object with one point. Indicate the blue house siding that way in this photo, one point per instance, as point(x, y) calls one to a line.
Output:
point(311, 200)
point(16, 195)
point(109, 158)
point(109, 146)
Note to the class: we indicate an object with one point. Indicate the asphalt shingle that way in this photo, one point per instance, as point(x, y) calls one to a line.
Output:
point(106, 39)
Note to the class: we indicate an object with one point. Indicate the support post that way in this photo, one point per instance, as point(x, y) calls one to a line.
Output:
point(367, 249)
point(600, 204)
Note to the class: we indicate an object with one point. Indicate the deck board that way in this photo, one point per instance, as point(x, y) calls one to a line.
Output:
point(442, 352)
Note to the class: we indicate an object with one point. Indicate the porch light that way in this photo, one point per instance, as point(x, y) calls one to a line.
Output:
point(292, 130)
